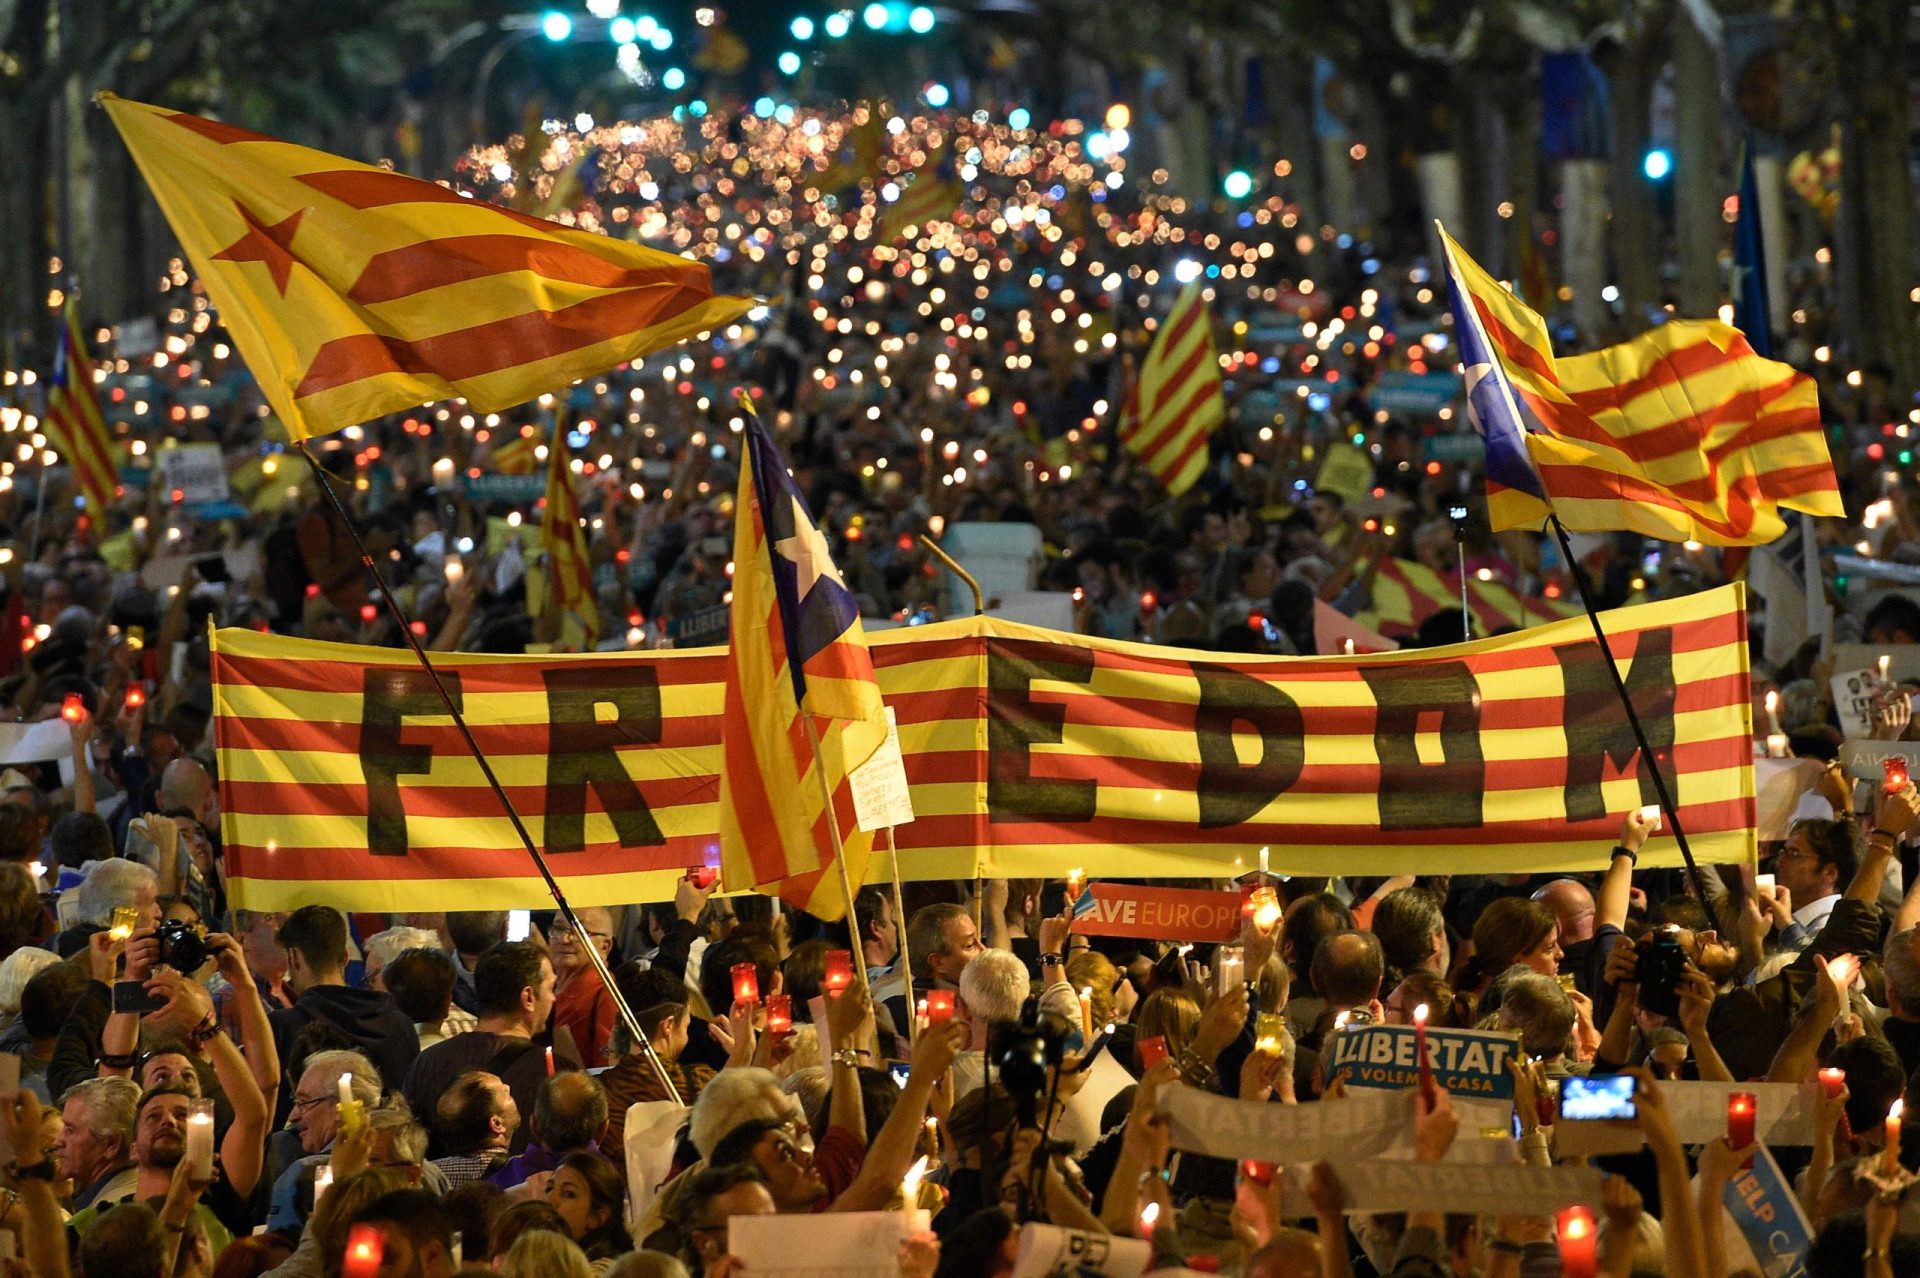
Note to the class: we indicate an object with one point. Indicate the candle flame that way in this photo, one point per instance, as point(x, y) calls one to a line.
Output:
point(1773, 702)
point(1148, 1216)
point(910, 1183)
point(1420, 1014)
point(1577, 1225)
point(1896, 1109)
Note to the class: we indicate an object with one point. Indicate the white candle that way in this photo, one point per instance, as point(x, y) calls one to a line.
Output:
point(1263, 862)
point(1651, 815)
point(911, 1214)
point(1773, 711)
point(200, 1140)
point(1230, 966)
point(1885, 661)
point(1763, 884)
point(1348, 644)
point(322, 1182)
point(1776, 745)
point(346, 1087)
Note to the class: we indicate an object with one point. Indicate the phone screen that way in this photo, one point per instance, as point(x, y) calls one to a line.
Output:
point(519, 924)
point(1598, 1097)
point(898, 1071)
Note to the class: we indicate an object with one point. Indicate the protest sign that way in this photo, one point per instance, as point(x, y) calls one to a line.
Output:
point(1866, 760)
point(194, 475)
point(1761, 1204)
point(1464, 1188)
point(1157, 914)
point(1467, 1063)
point(1853, 693)
point(1903, 659)
point(1418, 394)
point(1346, 471)
point(1045, 1250)
point(1026, 751)
point(35, 742)
point(1699, 1111)
point(1365, 1123)
point(852, 1244)
point(515, 490)
point(881, 797)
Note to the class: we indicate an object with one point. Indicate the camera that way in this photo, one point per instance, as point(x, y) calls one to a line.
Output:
point(182, 946)
point(1023, 1052)
point(1661, 965)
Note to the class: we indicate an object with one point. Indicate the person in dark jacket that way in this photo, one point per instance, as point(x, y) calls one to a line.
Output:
point(315, 939)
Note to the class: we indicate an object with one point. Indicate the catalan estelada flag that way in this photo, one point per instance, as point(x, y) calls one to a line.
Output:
point(864, 143)
point(797, 655)
point(1176, 403)
point(569, 571)
point(932, 195)
point(353, 291)
point(1683, 433)
point(514, 453)
point(73, 423)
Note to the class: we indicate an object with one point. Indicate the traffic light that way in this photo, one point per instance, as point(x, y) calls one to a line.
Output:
point(556, 26)
point(1237, 185)
point(1657, 164)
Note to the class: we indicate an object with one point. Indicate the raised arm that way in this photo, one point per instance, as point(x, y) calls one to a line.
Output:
point(250, 1012)
point(243, 1149)
point(1894, 817)
point(1616, 887)
point(891, 1153)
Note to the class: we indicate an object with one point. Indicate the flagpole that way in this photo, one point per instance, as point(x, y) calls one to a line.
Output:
point(1651, 762)
point(594, 956)
point(900, 923)
point(840, 860)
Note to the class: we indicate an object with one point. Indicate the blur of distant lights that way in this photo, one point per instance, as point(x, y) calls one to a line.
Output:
point(763, 107)
point(789, 63)
point(802, 28)
point(1237, 184)
point(836, 25)
point(583, 123)
point(1186, 270)
point(603, 9)
point(621, 30)
point(875, 16)
point(1658, 164)
point(697, 108)
point(1019, 118)
point(937, 94)
point(920, 20)
point(645, 28)
point(673, 79)
point(556, 26)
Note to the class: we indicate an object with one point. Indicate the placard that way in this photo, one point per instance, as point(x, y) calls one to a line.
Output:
point(1157, 914)
point(1866, 760)
point(1466, 1063)
point(1699, 1111)
point(1464, 1188)
point(881, 798)
point(194, 475)
point(1364, 1123)
point(851, 1244)
point(1763, 1207)
point(1049, 1249)
point(1853, 701)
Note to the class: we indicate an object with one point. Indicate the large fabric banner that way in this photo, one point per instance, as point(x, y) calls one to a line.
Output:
point(1029, 751)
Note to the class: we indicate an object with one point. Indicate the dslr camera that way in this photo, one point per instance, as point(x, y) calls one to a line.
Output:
point(1661, 965)
point(183, 947)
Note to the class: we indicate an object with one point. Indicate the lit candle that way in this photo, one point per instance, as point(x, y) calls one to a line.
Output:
point(1579, 1246)
point(1420, 1051)
point(1833, 1081)
point(1340, 1020)
point(351, 1112)
point(1230, 969)
point(549, 1060)
point(366, 1248)
point(1776, 745)
point(1263, 863)
point(454, 570)
point(1773, 712)
point(916, 1219)
point(920, 1018)
point(1890, 1159)
point(1348, 644)
point(939, 1008)
point(1885, 661)
point(1149, 1216)
point(200, 1140)
point(1742, 1111)
point(1651, 815)
point(839, 972)
point(322, 1182)
point(746, 983)
point(1763, 884)
point(1269, 1032)
point(779, 1014)
point(1843, 968)
point(1265, 909)
point(1086, 1013)
point(1076, 883)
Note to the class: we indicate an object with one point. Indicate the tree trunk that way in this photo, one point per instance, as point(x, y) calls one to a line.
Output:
point(1698, 184)
point(1636, 224)
point(1583, 256)
point(1875, 249)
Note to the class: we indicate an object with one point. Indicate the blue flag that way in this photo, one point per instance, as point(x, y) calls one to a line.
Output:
point(1750, 313)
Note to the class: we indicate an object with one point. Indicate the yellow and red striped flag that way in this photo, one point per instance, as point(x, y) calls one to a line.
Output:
point(866, 140)
point(1683, 433)
point(801, 700)
point(933, 195)
point(353, 291)
point(515, 454)
point(1176, 403)
point(569, 571)
point(74, 425)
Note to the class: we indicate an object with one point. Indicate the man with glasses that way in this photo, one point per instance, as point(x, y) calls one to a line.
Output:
point(316, 1118)
point(713, 1196)
point(581, 1004)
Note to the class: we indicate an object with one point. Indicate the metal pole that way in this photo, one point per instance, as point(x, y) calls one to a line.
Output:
point(631, 1021)
point(934, 546)
point(1651, 763)
point(1466, 612)
point(900, 922)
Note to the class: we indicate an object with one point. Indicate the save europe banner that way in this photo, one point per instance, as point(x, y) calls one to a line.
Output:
point(1029, 751)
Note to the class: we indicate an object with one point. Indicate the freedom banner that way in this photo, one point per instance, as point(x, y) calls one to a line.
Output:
point(1467, 1063)
point(1027, 751)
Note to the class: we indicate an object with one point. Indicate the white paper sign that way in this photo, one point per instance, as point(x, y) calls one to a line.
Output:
point(853, 1244)
point(1469, 1189)
point(195, 471)
point(1048, 1249)
point(35, 742)
point(1367, 1122)
point(1699, 1111)
point(881, 799)
point(1853, 701)
point(649, 1140)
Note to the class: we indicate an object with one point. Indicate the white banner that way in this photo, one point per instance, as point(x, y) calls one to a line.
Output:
point(1049, 1249)
point(853, 1244)
point(1367, 1122)
point(1699, 1111)
point(1468, 1189)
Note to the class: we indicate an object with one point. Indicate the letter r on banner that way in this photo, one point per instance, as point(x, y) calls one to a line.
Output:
point(581, 752)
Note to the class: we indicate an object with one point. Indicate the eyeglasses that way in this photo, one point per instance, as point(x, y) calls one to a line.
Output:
point(301, 1104)
point(561, 932)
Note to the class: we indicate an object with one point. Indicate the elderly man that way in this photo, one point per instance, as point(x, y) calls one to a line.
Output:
point(316, 1119)
point(475, 1121)
point(96, 1140)
point(109, 886)
point(160, 1142)
point(581, 1004)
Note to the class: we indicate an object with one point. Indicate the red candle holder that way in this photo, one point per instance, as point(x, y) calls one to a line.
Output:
point(1579, 1244)
point(1152, 1051)
point(1258, 1172)
point(779, 1014)
point(1833, 1081)
point(839, 973)
point(939, 1008)
point(1742, 1112)
point(746, 983)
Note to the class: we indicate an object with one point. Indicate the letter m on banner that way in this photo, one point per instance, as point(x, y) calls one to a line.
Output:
point(1597, 730)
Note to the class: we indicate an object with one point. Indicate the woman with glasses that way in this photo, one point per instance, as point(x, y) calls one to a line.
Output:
point(580, 1000)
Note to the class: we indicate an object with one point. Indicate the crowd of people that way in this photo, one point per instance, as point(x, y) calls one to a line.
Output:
point(417, 1094)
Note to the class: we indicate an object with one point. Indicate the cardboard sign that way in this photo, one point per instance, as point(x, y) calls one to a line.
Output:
point(1157, 914)
point(1866, 760)
point(1853, 701)
point(1365, 1123)
point(1763, 1207)
point(1470, 1063)
point(1699, 1111)
point(1346, 471)
point(1049, 1249)
point(881, 798)
point(1469, 1189)
point(852, 1244)
point(194, 475)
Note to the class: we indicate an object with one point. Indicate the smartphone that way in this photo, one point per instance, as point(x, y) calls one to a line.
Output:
point(898, 1071)
point(1598, 1097)
point(519, 924)
point(133, 996)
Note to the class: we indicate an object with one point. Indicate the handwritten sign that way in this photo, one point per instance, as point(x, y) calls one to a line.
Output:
point(196, 472)
point(1049, 1249)
point(880, 795)
point(1157, 914)
point(1465, 1062)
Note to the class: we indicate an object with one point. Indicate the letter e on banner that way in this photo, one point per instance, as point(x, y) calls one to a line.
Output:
point(1016, 723)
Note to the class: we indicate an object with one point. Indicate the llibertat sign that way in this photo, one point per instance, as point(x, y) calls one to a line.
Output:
point(1027, 752)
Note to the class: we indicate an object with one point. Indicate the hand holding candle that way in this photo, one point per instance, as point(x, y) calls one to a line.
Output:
point(1265, 908)
point(199, 1151)
point(1420, 1050)
point(839, 973)
point(916, 1218)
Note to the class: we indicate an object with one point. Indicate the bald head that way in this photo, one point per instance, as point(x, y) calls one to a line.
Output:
point(185, 786)
point(1572, 905)
point(571, 1112)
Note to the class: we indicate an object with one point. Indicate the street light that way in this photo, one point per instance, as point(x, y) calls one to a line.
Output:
point(556, 26)
point(802, 28)
point(1237, 184)
point(920, 20)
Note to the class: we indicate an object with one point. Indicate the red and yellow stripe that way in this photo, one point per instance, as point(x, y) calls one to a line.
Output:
point(1406, 592)
point(353, 291)
point(929, 197)
point(74, 425)
point(569, 571)
point(982, 704)
point(1177, 401)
